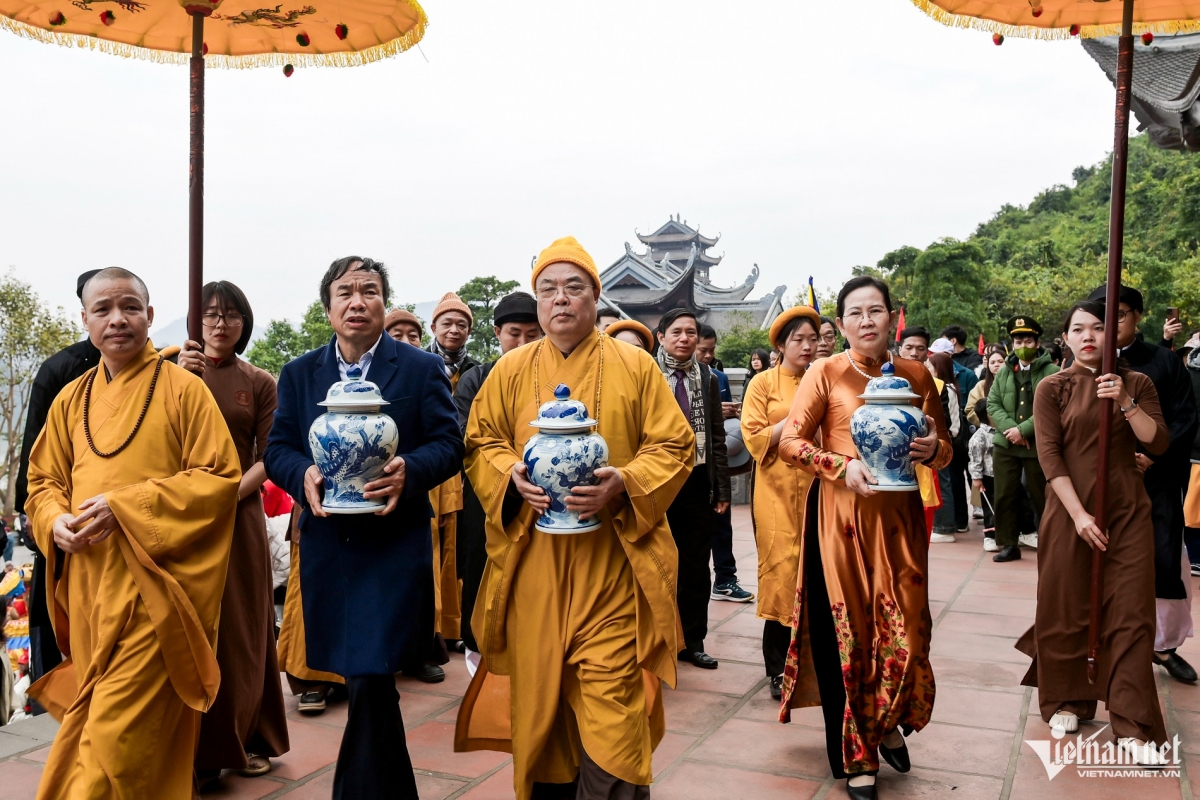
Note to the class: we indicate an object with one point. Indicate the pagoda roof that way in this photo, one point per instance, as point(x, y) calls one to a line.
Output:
point(676, 232)
point(1166, 86)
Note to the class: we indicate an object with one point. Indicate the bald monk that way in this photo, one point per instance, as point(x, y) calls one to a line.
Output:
point(576, 631)
point(132, 491)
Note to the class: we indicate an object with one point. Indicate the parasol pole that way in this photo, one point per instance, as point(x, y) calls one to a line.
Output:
point(196, 177)
point(1116, 234)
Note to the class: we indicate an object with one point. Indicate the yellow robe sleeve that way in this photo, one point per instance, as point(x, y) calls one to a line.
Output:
point(490, 452)
point(756, 426)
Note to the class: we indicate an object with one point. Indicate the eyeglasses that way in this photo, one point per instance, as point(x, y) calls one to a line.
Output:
point(574, 290)
point(232, 319)
point(1121, 315)
point(857, 316)
point(828, 337)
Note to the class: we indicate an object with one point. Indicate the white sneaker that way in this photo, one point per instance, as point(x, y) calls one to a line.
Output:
point(942, 538)
point(1145, 755)
point(1064, 722)
point(1028, 539)
point(989, 544)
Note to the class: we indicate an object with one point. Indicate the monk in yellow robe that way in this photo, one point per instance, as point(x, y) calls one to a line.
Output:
point(132, 494)
point(576, 630)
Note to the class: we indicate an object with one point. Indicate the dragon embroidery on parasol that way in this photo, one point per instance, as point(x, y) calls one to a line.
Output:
point(263, 17)
point(132, 6)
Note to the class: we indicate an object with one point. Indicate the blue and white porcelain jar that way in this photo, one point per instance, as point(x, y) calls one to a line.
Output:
point(883, 430)
point(351, 444)
point(565, 453)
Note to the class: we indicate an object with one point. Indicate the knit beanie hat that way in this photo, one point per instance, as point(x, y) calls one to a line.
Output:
point(569, 250)
point(403, 315)
point(452, 302)
point(515, 307)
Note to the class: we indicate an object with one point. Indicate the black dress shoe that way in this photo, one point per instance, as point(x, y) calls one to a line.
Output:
point(698, 658)
point(860, 792)
point(1178, 669)
point(898, 758)
point(426, 673)
point(313, 702)
point(777, 687)
point(1010, 552)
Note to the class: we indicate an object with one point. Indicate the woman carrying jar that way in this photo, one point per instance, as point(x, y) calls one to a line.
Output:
point(246, 724)
point(1066, 410)
point(779, 490)
point(860, 648)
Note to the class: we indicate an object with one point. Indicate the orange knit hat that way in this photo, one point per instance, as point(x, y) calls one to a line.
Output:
point(405, 316)
point(452, 302)
point(569, 250)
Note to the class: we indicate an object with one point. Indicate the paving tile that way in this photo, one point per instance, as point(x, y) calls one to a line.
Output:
point(780, 749)
point(927, 784)
point(989, 571)
point(936, 607)
point(319, 788)
point(692, 779)
point(19, 780)
point(449, 714)
point(719, 610)
point(431, 747)
point(978, 708)
point(433, 787)
point(1032, 783)
point(419, 706)
point(954, 747)
point(745, 624)
point(1189, 731)
point(455, 685)
point(984, 624)
point(234, 787)
point(978, 674)
point(764, 708)
point(498, 786)
point(1026, 591)
point(694, 712)
point(313, 747)
point(728, 678)
point(978, 647)
point(727, 646)
point(38, 755)
point(669, 750)
point(1185, 696)
point(1010, 606)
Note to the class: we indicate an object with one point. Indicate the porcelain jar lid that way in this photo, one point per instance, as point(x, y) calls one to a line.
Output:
point(354, 394)
point(562, 413)
point(888, 388)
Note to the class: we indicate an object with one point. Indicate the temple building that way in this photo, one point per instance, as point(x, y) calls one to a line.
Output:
point(673, 272)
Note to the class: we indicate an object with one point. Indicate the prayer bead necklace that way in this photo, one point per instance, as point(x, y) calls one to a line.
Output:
point(87, 405)
point(537, 375)
point(859, 371)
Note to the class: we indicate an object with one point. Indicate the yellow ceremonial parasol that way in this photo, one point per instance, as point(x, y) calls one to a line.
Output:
point(1060, 19)
point(238, 34)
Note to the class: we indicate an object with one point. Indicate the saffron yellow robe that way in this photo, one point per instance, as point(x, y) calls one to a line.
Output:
point(292, 647)
point(576, 630)
point(780, 492)
point(447, 501)
point(135, 615)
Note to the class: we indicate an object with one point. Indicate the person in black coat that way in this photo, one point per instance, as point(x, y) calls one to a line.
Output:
point(370, 613)
point(56, 372)
point(1166, 477)
point(707, 490)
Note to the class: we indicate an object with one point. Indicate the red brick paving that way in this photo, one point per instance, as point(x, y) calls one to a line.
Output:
point(723, 740)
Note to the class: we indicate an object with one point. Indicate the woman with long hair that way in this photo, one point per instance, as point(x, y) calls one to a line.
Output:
point(860, 645)
point(993, 362)
point(760, 361)
point(1066, 412)
point(246, 724)
point(779, 490)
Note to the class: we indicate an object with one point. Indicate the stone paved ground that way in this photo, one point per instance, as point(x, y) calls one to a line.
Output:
point(723, 740)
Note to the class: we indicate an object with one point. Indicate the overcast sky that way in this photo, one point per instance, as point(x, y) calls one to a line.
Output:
point(810, 141)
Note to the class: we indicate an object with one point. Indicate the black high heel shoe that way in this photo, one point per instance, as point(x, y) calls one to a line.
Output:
point(860, 792)
point(897, 758)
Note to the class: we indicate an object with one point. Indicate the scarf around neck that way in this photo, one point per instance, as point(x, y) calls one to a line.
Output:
point(696, 396)
point(454, 360)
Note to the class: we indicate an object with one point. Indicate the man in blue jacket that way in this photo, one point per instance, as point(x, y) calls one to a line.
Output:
point(371, 613)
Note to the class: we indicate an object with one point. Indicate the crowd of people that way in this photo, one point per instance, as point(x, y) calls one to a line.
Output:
point(152, 480)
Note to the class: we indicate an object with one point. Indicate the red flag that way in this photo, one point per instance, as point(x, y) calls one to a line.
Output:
point(900, 325)
point(982, 344)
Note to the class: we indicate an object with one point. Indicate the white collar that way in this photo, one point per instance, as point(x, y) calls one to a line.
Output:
point(364, 361)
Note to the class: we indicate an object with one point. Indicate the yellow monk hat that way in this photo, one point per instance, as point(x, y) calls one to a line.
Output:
point(792, 313)
point(566, 249)
point(634, 326)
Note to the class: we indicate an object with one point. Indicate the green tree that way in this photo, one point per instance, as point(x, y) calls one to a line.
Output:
point(742, 338)
point(481, 295)
point(283, 342)
point(30, 332)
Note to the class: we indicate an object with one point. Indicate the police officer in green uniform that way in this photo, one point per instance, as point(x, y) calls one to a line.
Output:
point(1010, 406)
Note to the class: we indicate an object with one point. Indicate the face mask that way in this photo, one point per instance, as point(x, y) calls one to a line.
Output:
point(1026, 353)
